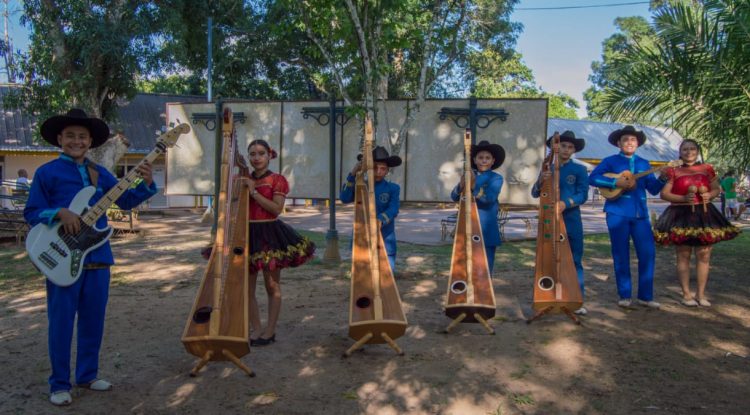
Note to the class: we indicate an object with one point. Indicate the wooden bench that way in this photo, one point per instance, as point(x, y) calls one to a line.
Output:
point(504, 216)
point(14, 224)
point(448, 224)
point(129, 218)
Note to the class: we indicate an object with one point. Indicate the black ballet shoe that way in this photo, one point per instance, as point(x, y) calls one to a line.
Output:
point(260, 341)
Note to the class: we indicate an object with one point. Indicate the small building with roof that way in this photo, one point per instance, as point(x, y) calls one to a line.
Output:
point(661, 146)
point(140, 121)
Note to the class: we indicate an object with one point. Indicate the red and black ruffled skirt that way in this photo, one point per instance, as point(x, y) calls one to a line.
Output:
point(690, 225)
point(275, 245)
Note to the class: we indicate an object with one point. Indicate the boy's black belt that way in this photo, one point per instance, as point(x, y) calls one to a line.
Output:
point(96, 265)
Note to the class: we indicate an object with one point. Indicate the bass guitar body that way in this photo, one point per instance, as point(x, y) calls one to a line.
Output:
point(59, 256)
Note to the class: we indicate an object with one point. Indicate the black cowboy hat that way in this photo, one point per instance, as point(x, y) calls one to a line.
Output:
point(380, 155)
point(569, 137)
point(497, 151)
point(614, 137)
point(52, 127)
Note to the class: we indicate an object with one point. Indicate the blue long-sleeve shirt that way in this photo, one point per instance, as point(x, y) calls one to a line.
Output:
point(631, 203)
point(386, 207)
point(574, 189)
point(57, 182)
point(487, 188)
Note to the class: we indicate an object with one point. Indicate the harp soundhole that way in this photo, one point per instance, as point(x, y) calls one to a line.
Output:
point(202, 315)
point(562, 237)
point(546, 283)
point(463, 198)
point(363, 302)
point(544, 194)
point(458, 287)
point(475, 238)
point(238, 250)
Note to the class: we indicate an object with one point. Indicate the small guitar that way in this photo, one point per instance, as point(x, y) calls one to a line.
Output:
point(612, 194)
point(59, 255)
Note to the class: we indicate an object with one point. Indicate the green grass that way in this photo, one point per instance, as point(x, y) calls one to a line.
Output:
point(730, 257)
point(16, 265)
point(522, 399)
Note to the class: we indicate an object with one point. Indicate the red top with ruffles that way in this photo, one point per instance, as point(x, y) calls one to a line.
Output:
point(696, 175)
point(268, 185)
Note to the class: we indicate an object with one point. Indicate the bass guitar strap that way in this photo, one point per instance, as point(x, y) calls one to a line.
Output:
point(93, 173)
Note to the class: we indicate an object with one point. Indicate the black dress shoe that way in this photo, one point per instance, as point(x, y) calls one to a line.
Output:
point(260, 341)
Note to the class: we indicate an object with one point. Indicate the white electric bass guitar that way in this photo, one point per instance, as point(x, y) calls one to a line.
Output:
point(59, 255)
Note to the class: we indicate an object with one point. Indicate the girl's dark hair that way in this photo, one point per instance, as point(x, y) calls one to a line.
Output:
point(698, 146)
point(264, 143)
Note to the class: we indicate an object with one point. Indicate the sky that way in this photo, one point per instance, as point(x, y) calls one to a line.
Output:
point(559, 45)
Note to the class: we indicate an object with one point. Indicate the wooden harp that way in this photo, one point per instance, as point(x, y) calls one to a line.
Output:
point(217, 328)
point(556, 288)
point(470, 297)
point(375, 312)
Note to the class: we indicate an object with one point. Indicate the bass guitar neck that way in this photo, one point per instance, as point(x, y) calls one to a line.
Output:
point(59, 255)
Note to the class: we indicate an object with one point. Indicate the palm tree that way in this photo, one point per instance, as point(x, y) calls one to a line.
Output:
point(696, 74)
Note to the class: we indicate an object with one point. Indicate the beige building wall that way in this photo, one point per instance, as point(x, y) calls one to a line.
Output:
point(432, 153)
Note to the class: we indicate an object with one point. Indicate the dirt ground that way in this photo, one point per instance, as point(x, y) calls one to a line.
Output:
point(636, 361)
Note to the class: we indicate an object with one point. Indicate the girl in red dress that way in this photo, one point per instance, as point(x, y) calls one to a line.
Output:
point(273, 244)
point(691, 222)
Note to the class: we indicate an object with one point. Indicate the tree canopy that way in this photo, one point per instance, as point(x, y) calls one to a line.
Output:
point(694, 76)
point(96, 54)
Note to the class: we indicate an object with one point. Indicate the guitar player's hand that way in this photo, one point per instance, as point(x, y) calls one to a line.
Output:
point(624, 183)
point(145, 170)
point(69, 220)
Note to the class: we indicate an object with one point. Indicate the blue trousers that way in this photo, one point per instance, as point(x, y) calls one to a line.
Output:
point(574, 228)
point(490, 251)
point(621, 229)
point(87, 298)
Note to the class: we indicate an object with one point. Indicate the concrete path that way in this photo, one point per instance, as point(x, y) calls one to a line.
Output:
point(422, 225)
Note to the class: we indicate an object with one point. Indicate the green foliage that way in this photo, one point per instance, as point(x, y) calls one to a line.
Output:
point(82, 53)
point(694, 74)
point(173, 84)
point(604, 73)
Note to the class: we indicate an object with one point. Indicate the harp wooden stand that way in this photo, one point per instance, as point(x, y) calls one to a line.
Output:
point(556, 288)
point(217, 328)
point(470, 297)
point(375, 312)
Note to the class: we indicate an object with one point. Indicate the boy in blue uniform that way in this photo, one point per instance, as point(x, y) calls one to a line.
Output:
point(627, 216)
point(386, 197)
point(485, 158)
point(55, 185)
point(574, 191)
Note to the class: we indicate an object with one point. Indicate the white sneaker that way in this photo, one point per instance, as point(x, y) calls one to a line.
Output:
point(652, 304)
point(61, 398)
point(99, 385)
point(581, 311)
point(625, 302)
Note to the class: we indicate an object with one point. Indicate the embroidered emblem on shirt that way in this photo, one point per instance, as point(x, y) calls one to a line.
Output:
point(384, 197)
point(571, 179)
